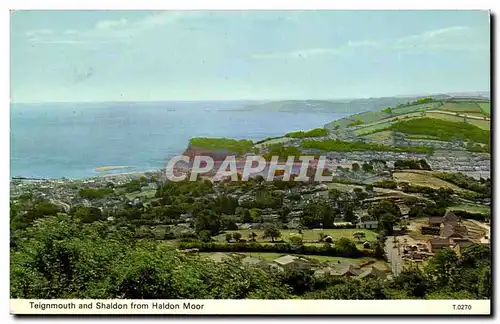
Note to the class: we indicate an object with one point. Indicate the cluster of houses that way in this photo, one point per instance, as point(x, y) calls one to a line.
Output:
point(444, 159)
point(286, 262)
point(448, 232)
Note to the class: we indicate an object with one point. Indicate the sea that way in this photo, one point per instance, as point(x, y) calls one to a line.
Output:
point(55, 140)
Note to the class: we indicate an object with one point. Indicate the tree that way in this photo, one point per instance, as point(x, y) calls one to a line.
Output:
point(359, 235)
point(475, 256)
point(442, 266)
point(88, 214)
point(257, 215)
point(416, 211)
point(367, 167)
point(383, 207)
point(318, 213)
point(252, 236)
point(283, 214)
point(485, 284)
point(301, 281)
point(204, 236)
point(355, 167)
point(296, 239)
point(349, 215)
point(271, 231)
point(259, 178)
point(237, 236)
point(387, 110)
point(229, 222)
point(334, 194)
point(387, 222)
point(208, 220)
point(414, 282)
point(247, 217)
point(346, 246)
point(359, 194)
point(424, 165)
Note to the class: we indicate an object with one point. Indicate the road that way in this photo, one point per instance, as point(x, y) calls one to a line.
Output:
point(394, 255)
point(59, 203)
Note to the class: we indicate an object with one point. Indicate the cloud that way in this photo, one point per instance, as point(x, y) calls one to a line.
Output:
point(38, 32)
point(110, 24)
point(105, 31)
point(296, 54)
point(312, 52)
point(453, 38)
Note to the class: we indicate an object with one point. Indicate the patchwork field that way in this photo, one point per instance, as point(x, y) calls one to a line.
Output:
point(481, 123)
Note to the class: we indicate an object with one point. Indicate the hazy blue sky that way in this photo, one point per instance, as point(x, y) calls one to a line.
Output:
point(149, 55)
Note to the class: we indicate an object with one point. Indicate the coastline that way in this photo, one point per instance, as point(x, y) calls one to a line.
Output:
point(99, 176)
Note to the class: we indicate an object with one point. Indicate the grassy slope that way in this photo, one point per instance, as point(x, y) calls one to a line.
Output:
point(443, 129)
point(426, 178)
point(374, 122)
point(232, 145)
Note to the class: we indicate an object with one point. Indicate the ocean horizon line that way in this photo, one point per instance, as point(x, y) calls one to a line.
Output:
point(450, 93)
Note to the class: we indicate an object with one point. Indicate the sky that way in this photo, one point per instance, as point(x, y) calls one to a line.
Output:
point(79, 56)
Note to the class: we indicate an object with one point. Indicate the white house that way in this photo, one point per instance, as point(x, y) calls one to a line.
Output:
point(367, 224)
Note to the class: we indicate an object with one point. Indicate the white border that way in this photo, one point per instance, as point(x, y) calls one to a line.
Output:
point(252, 306)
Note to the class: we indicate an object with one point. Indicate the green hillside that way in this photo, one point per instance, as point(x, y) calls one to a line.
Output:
point(442, 130)
point(470, 111)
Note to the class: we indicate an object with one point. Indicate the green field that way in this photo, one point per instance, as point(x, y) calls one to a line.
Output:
point(417, 107)
point(443, 129)
point(461, 106)
point(379, 136)
point(229, 144)
point(374, 128)
point(483, 124)
point(472, 208)
point(146, 193)
point(308, 235)
point(317, 132)
point(485, 107)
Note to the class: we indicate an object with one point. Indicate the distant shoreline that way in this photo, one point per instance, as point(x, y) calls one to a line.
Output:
point(112, 168)
point(99, 176)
